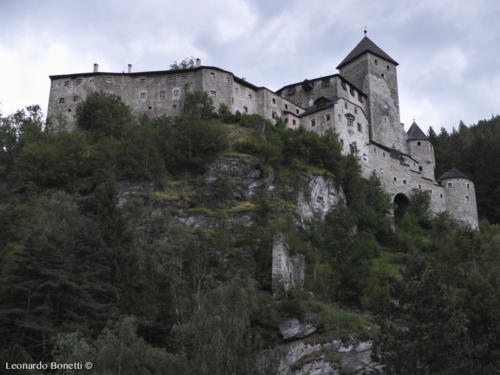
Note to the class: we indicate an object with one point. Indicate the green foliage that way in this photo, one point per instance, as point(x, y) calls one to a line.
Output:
point(187, 63)
point(103, 113)
point(432, 335)
point(198, 104)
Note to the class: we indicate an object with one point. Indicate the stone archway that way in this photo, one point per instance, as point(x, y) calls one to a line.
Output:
point(401, 203)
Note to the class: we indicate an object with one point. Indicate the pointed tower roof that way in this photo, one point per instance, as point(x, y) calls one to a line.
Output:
point(415, 133)
point(366, 45)
point(453, 173)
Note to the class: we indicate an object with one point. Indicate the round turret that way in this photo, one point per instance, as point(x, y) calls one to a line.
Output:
point(421, 149)
point(460, 197)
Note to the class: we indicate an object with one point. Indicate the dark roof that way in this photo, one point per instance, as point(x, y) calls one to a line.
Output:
point(366, 45)
point(453, 173)
point(415, 133)
point(321, 78)
point(319, 104)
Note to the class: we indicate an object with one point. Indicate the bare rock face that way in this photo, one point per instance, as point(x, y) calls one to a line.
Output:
point(292, 329)
point(287, 271)
point(320, 196)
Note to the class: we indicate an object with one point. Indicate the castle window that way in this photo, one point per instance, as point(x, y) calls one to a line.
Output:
point(250, 96)
point(359, 128)
point(286, 106)
point(467, 186)
point(274, 100)
point(381, 171)
point(79, 81)
point(142, 81)
point(170, 79)
point(297, 111)
point(327, 117)
point(175, 106)
point(360, 97)
point(382, 75)
point(340, 117)
point(163, 94)
point(274, 115)
point(395, 179)
point(232, 100)
point(350, 121)
point(342, 142)
point(387, 67)
point(353, 93)
point(69, 109)
point(176, 92)
point(420, 186)
point(143, 95)
point(325, 82)
point(293, 121)
point(236, 90)
point(245, 110)
point(345, 105)
point(212, 75)
point(75, 98)
point(467, 198)
point(286, 120)
point(290, 91)
point(420, 169)
point(365, 158)
point(150, 107)
point(355, 110)
point(212, 93)
point(108, 80)
point(440, 195)
point(183, 78)
point(376, 62)
point(404, 182)
point(344, 86)
point(226, 79)
point(61, 100)
point(418, 143)
point(66, 83)
point(383, 154)
point(313, 123)
point(450, 185)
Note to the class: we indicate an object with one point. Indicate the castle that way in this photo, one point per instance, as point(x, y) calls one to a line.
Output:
point(360, 103)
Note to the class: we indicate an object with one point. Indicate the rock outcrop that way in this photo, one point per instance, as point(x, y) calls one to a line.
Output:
point(287, 271)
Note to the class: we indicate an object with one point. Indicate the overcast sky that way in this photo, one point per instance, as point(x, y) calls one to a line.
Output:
point(448, 50)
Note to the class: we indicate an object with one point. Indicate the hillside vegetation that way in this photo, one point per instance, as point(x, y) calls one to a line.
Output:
point(99, 264)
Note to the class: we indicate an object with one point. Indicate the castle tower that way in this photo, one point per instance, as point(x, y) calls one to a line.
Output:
point(374, 71)
point(421, 149)
point(460, 197)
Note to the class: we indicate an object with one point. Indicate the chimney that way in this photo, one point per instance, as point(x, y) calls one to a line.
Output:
point(198, 62)
point(130, 68)
point(96, 68)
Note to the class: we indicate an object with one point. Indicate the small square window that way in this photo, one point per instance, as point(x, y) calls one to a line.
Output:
point(327, 117)
point(440, 195)
point(177, 92)
point(325, 83)
point(293, 121)
point(467, 186)
point(360, 129)
point(250, 96)
point(382, 75)
point(387, 67)
point(61, 100)
point(420, 186)
point(365, 158)
point(142, 81)
point(340, 117)
point(69, 109)
point(355, 110)
point(313, 122)
point(183, 78)
point(404, 182)
point(66, 83)
point(350, 121)
point(345, 105)
point(212, 75)
point(236, 90)
point(245, 110)
point(274, 115)
point(420, 169)
point(143, 95)
point(450, 184)
point(274, 100)
point(175, 106)
point(297, 111)
point(226, 79)
point(376, 62)
point(79, 81)
point(212, 93)
point(163, 94)
point(418, 143)
point(75, 98)
point(170, 79)
point(108, 80)
point(342, 142)
point(286, 106)
point(150, 107)
point(395, 178)
point(467, 198)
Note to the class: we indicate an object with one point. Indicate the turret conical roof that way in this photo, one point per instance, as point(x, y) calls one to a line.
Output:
point(453, 173)
point(366, 45)
point(415, 133)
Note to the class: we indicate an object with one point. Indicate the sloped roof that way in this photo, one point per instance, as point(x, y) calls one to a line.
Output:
point(320, 104)
point(415, 133)
point(453, 173)
point(366, 45)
